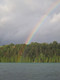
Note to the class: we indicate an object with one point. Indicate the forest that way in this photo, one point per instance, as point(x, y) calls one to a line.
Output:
point(30, 53)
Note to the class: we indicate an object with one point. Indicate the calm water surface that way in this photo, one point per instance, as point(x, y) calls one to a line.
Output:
point(29, 71)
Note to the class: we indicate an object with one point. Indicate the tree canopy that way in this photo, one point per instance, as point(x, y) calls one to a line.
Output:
point(34, 52)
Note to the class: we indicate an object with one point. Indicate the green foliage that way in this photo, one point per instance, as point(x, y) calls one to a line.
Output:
point(34, 52)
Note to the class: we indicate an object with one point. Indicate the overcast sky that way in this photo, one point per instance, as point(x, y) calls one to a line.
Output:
point(19, 17)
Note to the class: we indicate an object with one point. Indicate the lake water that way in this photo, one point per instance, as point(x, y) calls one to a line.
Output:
point(29, 71)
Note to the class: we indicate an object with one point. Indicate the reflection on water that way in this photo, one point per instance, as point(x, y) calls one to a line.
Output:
point(29, 71)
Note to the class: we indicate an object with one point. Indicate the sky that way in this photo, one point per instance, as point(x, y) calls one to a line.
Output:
point(19, 17)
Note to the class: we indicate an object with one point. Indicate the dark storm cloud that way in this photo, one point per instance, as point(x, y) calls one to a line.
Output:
point(19, 17)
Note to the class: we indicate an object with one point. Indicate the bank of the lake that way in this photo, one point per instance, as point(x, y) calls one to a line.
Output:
point(34, 52)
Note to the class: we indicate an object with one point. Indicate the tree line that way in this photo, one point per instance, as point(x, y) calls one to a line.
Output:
point(34, 52)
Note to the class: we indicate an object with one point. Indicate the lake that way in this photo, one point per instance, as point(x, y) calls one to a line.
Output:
point(29, 71)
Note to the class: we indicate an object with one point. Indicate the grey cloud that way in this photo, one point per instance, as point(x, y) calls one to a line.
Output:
point(21, 17)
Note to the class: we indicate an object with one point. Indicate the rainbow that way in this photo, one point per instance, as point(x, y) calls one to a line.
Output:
point(42, 20)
